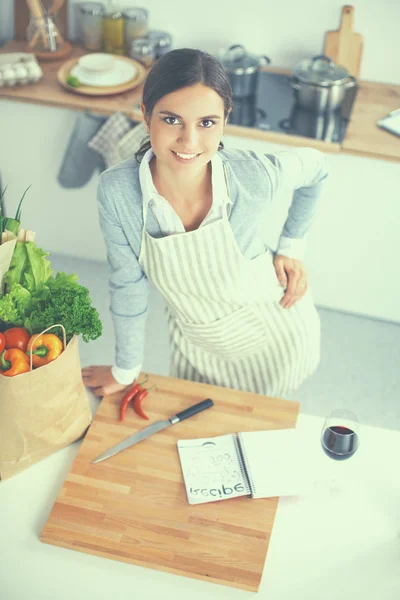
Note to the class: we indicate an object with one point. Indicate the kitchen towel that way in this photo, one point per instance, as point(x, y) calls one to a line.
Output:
point(131, 142)
point(106, 140)
point(80, 161)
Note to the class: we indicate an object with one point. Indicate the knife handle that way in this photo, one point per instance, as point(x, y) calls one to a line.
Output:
point(192, 410)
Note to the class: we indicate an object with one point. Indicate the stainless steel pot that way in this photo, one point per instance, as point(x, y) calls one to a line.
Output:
point(242, 69)
point(319, 126)
point(320, 85)
point(246, 113)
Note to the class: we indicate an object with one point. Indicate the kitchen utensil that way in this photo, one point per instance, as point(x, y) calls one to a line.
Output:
point(91, 25)
point(344, 46)
point(154, 428)
point(143, 50)
point(43, 32)
point(242, 69)
point(136, 24)
point(98, 90)
point(134, 508)
point(319, 85)
point(162, 40)
point(22, 15)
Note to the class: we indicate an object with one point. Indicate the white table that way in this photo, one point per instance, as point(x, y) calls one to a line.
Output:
point(339, 543)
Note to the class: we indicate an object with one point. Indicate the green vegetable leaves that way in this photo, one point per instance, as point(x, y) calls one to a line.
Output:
point(29, 267)
point(15, 306)
point(36, 300)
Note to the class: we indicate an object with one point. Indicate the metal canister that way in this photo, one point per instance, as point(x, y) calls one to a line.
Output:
point(143, 50)
point(91, 25)
point(136, 24)
point(162, 40)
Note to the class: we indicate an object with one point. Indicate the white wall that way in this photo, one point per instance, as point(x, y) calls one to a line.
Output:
point(286, 30)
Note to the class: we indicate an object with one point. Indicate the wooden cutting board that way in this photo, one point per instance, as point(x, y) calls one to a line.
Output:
point(133, 506)
point(344, 46)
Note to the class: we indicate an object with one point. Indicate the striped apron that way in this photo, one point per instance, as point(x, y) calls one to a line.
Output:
point(225, 322)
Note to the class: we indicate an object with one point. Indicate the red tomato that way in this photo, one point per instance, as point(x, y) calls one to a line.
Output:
point(16, 337)
point(2, 342)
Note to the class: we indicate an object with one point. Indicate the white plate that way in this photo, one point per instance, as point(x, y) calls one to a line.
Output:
point(121, 72)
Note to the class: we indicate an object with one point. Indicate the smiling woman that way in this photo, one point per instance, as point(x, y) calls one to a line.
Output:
point(187, 215)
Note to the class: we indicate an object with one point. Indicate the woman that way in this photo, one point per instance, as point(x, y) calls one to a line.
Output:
point(189, 216)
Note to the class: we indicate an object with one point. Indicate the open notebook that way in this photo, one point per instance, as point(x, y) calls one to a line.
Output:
point(259, 464)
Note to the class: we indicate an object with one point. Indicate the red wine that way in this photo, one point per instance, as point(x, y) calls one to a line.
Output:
point(339, 442)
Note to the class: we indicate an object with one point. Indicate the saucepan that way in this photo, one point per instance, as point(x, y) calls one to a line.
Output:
point(320, 85)
point(242, 68)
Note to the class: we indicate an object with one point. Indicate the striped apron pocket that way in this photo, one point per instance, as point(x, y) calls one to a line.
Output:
point(238, 334)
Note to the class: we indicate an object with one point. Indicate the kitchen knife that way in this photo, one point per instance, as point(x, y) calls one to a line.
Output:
point(154, 428)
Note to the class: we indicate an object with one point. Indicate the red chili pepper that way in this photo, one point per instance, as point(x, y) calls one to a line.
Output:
point(137, 402)
point(128, 397)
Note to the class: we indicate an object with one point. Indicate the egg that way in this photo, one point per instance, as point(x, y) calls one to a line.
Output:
point(34, 71)
point(21, 73)
point(8, 77)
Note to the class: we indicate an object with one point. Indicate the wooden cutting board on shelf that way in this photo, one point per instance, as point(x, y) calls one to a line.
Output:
point(344, 46)
point(133, 506)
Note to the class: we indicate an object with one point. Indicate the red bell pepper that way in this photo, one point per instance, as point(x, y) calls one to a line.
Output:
point(2, 342)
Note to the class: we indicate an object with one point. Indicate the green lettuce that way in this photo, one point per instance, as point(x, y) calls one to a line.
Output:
point(29, 267)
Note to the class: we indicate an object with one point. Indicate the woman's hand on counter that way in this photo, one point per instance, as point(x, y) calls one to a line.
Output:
point(292, 275)
point(101, 381)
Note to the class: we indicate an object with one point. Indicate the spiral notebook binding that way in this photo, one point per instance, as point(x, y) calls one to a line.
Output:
point(245, 470)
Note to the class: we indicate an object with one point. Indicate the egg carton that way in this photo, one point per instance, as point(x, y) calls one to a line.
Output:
point(19, 68)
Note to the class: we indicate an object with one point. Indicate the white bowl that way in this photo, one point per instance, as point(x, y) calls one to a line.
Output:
point(121, 72)
point(98, 62)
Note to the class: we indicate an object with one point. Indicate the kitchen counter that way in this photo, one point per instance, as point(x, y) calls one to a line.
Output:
point(374, 101)
point(341, 541)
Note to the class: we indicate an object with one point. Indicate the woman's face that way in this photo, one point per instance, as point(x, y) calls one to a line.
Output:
point(186, 127)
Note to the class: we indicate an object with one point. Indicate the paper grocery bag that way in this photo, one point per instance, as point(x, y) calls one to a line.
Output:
point(6, 252)
point(42, 411)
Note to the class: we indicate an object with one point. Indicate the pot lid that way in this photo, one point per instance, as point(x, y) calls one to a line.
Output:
point(320, 70)
point(237, 60)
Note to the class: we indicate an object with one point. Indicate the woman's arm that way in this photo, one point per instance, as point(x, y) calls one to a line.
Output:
point(300, 171)
point(128, 287)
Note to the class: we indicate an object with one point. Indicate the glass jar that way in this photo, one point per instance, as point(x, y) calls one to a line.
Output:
point(163, 41)
point(91, 25)
point(44, 34)
point(136, 24)
point(143, 50)
point(113, 30)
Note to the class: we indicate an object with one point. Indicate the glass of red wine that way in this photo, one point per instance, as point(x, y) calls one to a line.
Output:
point(340, 434)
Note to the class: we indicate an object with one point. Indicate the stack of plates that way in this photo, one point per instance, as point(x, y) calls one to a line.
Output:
point(103, 70)
point(101, 73)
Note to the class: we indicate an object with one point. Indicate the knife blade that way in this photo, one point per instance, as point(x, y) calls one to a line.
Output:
point(154, 428)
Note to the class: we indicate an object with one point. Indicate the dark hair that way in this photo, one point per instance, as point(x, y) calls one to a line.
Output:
point(182, 68)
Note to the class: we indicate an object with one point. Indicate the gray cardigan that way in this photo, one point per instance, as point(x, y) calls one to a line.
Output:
point(254, 180)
